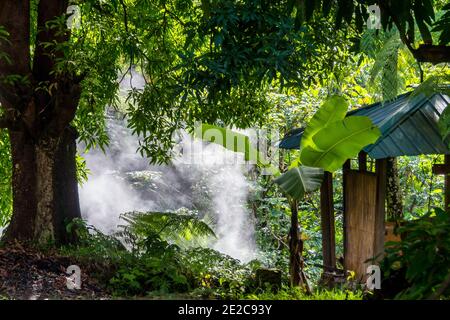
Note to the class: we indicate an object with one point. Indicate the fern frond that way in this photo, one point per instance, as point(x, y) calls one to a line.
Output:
point(386, 64)
point(181, 224)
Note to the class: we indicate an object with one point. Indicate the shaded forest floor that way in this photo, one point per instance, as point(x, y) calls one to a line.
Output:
point(28, 274)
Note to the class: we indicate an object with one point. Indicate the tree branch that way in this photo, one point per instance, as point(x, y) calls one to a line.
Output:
point(15, 18)
point(44, 57)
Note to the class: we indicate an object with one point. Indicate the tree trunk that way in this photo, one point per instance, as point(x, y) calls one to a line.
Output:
point(393, 191)
point(45, 191)
point(298, 277)
point(21, 226)
point(37, 111)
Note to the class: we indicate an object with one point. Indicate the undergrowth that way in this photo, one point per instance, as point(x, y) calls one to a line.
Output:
point(151, 267)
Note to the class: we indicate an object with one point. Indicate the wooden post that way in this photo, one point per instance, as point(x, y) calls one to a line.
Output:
point(380, 168)
point(447, 182)
point(347, 166)
point(327, 222)
point(362, 161)
point(445, 170)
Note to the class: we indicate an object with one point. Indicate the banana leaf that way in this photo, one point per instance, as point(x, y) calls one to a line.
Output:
point(340, 141)
point(297, 181)
point(333, 109)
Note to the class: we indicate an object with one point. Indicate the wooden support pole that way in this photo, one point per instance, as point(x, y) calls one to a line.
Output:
point(346, 167)
point(327, 222)
point(447, 183)
point(380, 168)
point(444, 169)
point(362, 161)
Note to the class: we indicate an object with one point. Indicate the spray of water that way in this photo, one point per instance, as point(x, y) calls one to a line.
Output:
point(225, 181)
point(121, 180)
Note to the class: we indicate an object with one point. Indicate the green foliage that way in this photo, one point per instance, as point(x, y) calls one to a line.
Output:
point(82, 170)
point(435, 83)
point(386, 64)
point(178, 227)
point(273, 221)
point(340, 141)
point(443, 25)
point(154, 266)
point(296, 293)
point(4, 35)
point(331, 138)
point(5, 179)
point(415, 174)
point(158, 269)
point(405, 15)
point(424, 255)
point(231, 140)
point(297, 181)
point(328, 141)
point(333, 109)
point(93, 245)
point(216, 275)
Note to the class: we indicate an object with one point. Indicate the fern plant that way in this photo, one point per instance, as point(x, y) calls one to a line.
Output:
point(181, 227)
point(386, 65)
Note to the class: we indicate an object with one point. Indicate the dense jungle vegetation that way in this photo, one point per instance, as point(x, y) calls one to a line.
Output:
point(231, 65)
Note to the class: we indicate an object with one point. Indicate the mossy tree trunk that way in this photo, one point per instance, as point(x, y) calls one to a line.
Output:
point(394, 197)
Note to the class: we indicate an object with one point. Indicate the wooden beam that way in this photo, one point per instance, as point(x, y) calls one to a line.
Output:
point(441, 168)
point(432, 53)
point(447, 182)
point(380, 168)
point(327, 222)
point(347, 165)
point(362, 161)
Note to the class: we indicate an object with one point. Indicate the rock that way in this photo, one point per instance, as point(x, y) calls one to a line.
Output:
point(268, 277)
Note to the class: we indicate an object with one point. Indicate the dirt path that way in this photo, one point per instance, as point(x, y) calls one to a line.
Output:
point(29, 274)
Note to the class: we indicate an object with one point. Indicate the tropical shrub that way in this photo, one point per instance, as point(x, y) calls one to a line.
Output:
point(159, 269)
point(421, 261)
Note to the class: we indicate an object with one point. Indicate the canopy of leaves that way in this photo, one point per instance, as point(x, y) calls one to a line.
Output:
point(200, 61)
point(406, 15)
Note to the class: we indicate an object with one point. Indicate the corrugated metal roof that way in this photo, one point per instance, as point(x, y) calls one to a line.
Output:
point(408, 125)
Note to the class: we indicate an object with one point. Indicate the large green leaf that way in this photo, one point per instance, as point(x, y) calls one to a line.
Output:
point(333, 109)
point(299, 180)
point(236, 142)
point(340, 141)
point(230, 140)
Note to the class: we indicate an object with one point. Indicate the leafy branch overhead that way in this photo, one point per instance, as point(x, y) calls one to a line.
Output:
point(407, 16)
